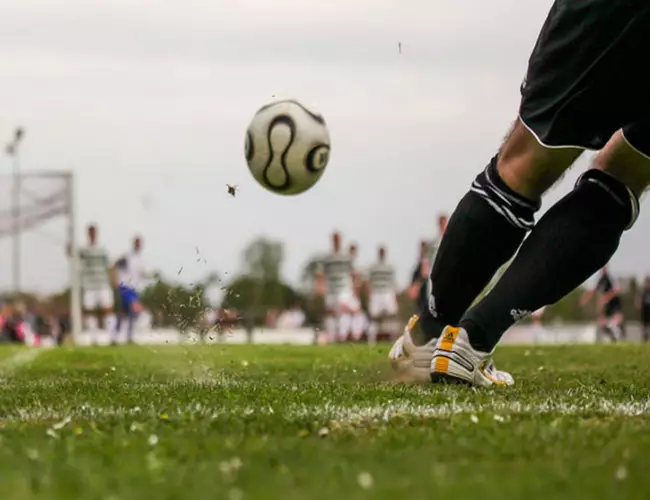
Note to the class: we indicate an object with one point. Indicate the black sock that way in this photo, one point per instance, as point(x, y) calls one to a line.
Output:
point(574, 239)
point(483, 233)
point(607, 330)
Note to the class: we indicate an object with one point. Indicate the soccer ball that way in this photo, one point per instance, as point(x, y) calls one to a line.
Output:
point(287, 147)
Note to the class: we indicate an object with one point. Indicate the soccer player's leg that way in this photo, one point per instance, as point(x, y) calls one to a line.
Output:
point(105, 306)
point(486, 229)
point(615, 319)
point(489, 224)
point(131, 307)
point(135, 310)
point(501, 214)
point(491, 220)
point(330, 322)
point(571, 99)
point(345, 314)
point(376, 316)
point(618, 326)
point(603, 328)
point(89, 310)
point(358, 320)
point(390, 319)
point(574, 239)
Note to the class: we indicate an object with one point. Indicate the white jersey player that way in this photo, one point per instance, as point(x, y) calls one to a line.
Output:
point(357, 280)
point(383, 293)
point(383, 289)
point(97, 290)
point(358, 320)
point(130, 276)
point(338, 288)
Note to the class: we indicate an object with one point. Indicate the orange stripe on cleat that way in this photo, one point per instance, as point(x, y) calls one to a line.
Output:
point(449, 338)
point(441, 365)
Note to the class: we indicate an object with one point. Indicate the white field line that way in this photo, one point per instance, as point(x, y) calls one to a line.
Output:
point(15, 361)
point(337, 413)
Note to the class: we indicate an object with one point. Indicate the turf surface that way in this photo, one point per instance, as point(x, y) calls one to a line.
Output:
point(258, 422)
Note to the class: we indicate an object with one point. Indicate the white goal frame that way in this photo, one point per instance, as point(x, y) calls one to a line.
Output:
point(14, 221)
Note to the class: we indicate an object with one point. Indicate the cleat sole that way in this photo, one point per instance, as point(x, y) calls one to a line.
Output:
point(446, 379)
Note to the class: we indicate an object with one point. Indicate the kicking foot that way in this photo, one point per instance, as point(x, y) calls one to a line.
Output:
point(411, 362)
point(455, 361)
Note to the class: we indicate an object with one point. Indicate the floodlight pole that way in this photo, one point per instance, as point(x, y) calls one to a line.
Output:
point(13, 151)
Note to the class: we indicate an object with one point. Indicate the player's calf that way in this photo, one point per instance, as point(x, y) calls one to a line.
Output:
point(490, 223)
point(626, 157)
point(330, 325)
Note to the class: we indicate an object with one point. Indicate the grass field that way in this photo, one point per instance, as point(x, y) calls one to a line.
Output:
point(259, 422)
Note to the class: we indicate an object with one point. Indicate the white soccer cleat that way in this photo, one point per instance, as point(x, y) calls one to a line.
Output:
point(412, 362)
point(456, 361)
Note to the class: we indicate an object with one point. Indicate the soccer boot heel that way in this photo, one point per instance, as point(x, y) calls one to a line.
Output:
point(455, 361)
point(412, 362)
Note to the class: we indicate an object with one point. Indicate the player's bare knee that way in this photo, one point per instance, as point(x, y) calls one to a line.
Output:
point(530, 168)
point(624, 157)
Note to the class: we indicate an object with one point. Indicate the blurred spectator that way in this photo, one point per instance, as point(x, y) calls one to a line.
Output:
point(227, 319)
point(271, 318)
point(643, 304)
point(291, 319)
point(4, 317)
point(12, 325)
point(443, 220)
point(419, 289)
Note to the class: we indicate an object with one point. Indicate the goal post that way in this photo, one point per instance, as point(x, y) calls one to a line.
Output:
point(31, 201)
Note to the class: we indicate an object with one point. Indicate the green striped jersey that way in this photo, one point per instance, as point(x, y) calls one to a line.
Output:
point(382, 278)
point(338, 273)
point(94, 264)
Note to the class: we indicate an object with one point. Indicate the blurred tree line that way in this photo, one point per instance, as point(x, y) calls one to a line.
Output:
point(259, 290)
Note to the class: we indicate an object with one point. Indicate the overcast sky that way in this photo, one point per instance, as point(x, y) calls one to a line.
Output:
point(147, 102)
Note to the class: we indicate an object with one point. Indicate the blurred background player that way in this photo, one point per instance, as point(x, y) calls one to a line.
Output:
point(358, 319)
point(382, 305)
point(609, 307)
point(353, 251)
point(419, 289)
point(335, 283)
point(12, 324)
point(97, 292)
point(443, 219)
point(130, 277)
point(643, 304)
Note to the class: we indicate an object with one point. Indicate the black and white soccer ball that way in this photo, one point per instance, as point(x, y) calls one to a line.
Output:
point(287, 147)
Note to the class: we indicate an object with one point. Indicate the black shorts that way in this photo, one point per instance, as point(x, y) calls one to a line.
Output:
point(612, 308)
point(587, 75)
